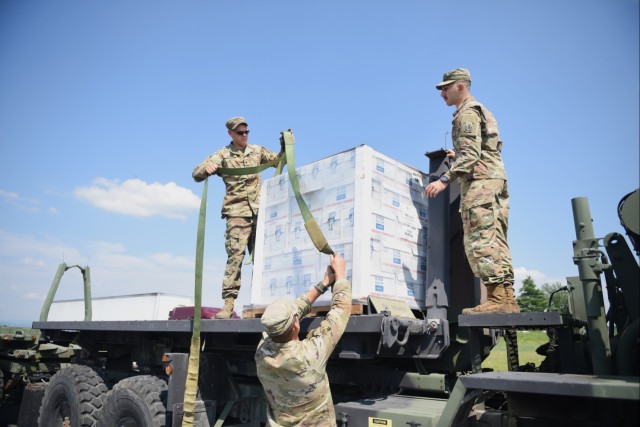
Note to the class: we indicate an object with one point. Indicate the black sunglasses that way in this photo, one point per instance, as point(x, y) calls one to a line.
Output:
point(242, 132)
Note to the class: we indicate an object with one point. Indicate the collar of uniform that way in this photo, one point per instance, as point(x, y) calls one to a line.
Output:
point(462, 106)
point(280, 345)
point(248, 149)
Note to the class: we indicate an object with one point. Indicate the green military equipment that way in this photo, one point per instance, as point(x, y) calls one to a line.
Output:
point(62, 268)
point(27, 360)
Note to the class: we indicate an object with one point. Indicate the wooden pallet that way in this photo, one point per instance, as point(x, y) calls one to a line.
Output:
point(253, 312)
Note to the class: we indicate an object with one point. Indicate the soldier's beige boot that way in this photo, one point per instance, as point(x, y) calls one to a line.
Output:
point(511, 299)
point(495, 303)
point(227, 309)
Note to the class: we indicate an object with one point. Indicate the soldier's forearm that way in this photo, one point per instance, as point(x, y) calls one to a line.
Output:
point(341, 295)
point(466, 159)
point(304, 305)
point(199, 174)
point(312, 295)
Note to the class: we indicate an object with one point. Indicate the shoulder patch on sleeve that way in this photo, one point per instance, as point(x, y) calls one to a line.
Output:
point(469, 123)
point(467, 127)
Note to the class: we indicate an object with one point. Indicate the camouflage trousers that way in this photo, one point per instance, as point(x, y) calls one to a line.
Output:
point(239, 235)
point(485, 220)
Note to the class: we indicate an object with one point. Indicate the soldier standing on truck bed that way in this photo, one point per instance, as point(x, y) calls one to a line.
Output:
point(240, 204)
point(294, 372)
point(484, 202)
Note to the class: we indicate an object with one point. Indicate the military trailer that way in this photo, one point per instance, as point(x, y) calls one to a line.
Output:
point(394, 366)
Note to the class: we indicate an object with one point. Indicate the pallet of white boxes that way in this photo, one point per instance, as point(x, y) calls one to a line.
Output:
point(372, 212)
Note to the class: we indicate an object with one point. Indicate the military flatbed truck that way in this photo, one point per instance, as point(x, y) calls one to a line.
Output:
point(394, 366)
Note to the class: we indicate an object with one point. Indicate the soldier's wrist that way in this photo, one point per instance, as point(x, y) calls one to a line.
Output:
point(321, 287)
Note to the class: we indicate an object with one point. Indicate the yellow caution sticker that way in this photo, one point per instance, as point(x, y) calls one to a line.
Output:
point(377, 422)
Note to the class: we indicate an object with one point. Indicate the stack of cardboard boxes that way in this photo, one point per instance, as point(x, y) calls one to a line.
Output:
point(372, 212)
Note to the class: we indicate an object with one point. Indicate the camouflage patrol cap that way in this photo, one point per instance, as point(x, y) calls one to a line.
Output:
point(233, 122)
point(454, 75)
point(279, 316)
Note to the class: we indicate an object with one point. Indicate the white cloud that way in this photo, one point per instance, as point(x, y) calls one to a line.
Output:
point(8, 196)
point(106, 247)
point(35, 251)
point(20, 202)
point(539, 278)
point(138, 198)
point(33, 296)
point(174, 261)
point(28, 265)
point(33, 262)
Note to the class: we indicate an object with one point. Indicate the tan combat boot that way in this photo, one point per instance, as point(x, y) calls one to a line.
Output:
point(227, 309)
point(496, 302)
point(511, 299)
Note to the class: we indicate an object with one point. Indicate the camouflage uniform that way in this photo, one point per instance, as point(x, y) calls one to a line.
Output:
point(294, 375)
point(484, 193)
point(239, 207)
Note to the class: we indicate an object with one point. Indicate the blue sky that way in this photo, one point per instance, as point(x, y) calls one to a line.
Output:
point(107, 106)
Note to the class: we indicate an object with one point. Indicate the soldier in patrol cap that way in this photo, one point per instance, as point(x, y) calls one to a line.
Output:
point(484, 202)
point(293, 371)
point(240, 204)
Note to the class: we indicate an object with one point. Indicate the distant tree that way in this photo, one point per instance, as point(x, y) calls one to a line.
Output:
point(559, 300)
point(531, 298)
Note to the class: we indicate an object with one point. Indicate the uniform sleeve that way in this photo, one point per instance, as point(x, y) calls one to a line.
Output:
point(267, 155)
point(304, 306)
point(324, 338)
point(468, 144)
point(199, 173)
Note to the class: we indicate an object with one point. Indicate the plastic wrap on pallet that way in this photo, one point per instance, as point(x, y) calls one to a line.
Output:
point(371, 210)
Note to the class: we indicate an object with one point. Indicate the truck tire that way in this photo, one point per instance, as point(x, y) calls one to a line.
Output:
point(75, 393)
point(135, 402)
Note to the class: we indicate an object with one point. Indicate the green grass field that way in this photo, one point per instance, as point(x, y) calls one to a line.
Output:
point(528, 341)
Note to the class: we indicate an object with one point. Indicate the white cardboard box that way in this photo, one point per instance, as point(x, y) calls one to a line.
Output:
point(371, 210)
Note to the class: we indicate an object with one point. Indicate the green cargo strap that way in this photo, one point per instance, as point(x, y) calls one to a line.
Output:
point(278, 162)
point(318, 239)
point(251, 170)
point(191, 386)
point(287, 157)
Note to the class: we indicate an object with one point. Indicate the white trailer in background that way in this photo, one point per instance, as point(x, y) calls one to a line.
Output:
point(149, 306)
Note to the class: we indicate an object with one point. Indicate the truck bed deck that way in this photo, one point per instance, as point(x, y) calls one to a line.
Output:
point(359, 324)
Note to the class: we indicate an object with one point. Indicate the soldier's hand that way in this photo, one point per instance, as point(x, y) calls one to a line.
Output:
point(339, 266)
point(329, 277)
point(451, 154)
point(210, 168)
point(434, 188)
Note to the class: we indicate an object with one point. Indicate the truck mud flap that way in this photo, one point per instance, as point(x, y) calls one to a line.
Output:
point(30, 407)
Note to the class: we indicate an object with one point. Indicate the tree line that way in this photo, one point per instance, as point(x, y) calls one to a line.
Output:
point(550, 297)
